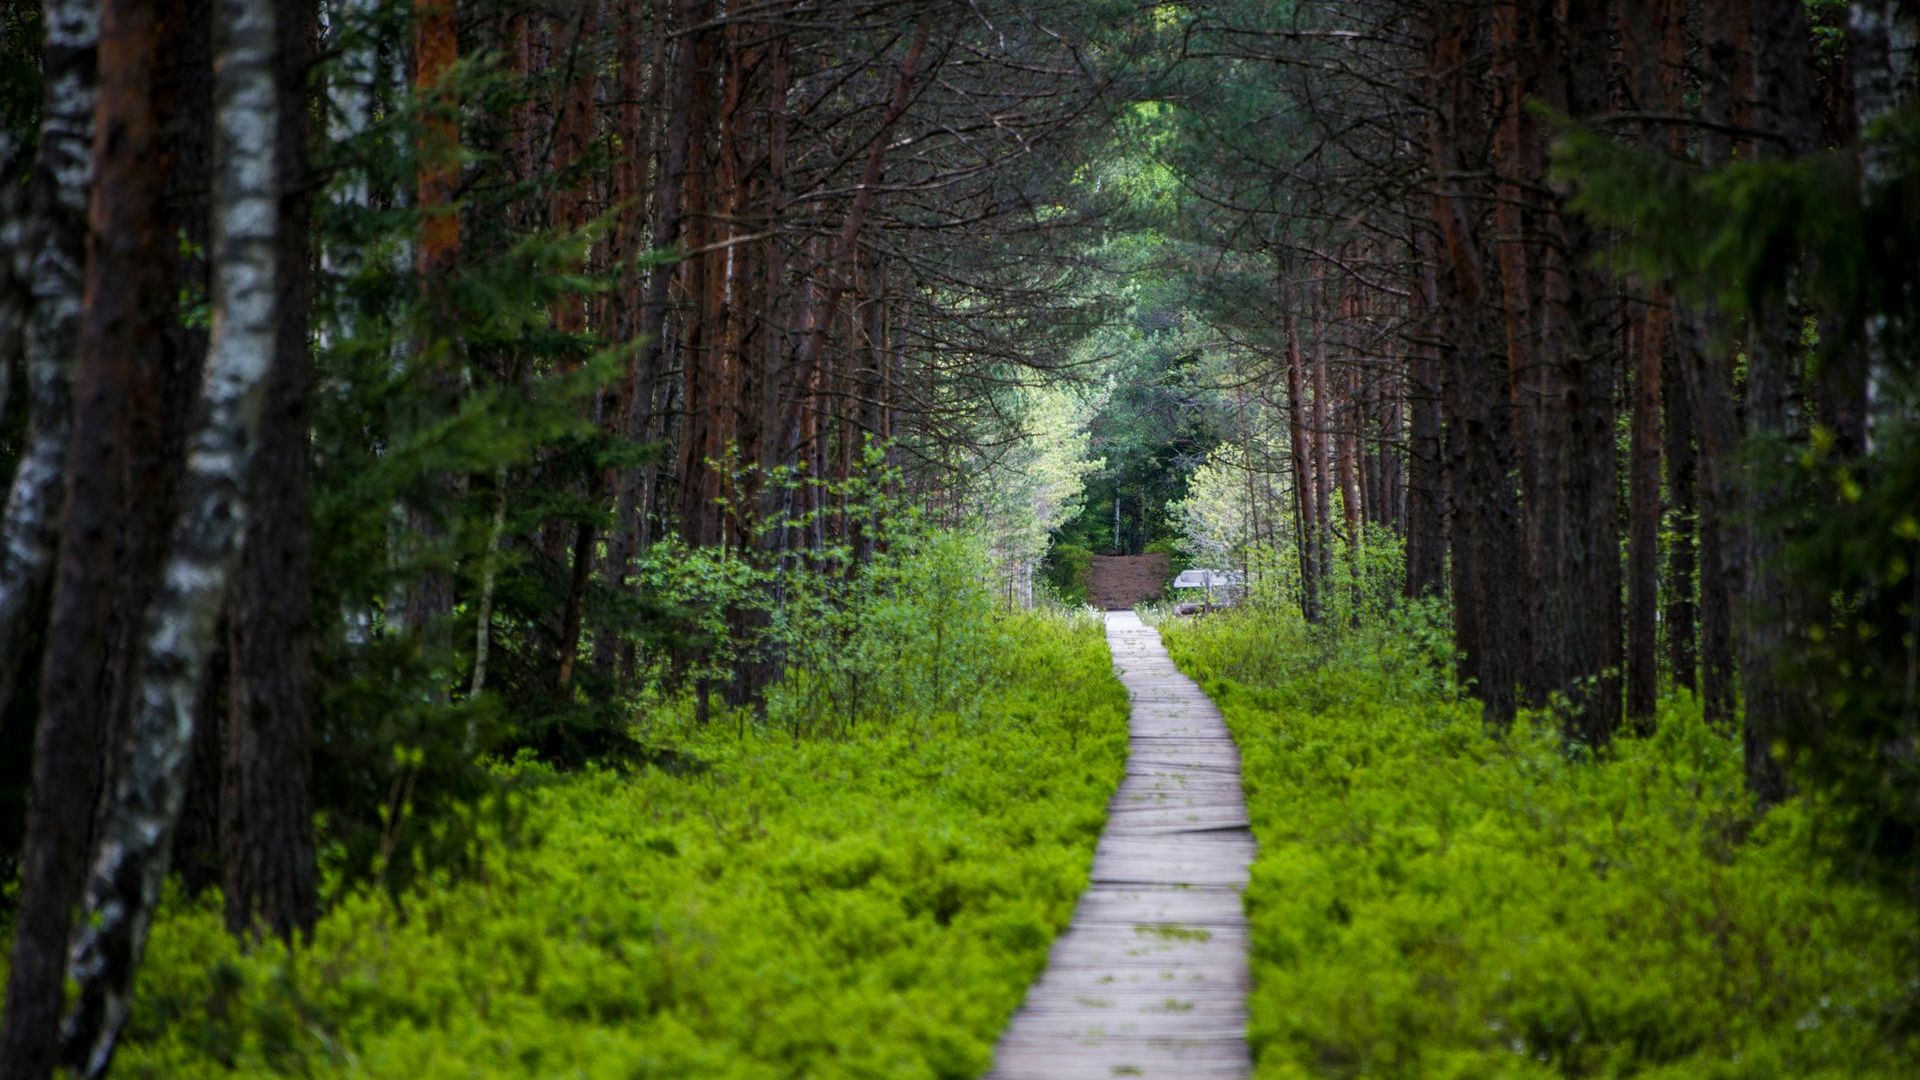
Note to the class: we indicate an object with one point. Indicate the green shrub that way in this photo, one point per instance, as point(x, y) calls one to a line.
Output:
point(1066, 571)
point(866, 906)
point(1428, 902)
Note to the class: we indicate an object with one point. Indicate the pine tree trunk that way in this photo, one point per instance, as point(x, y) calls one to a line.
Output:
point(1426, 524)
point(1771, 611)
point(427, 602)
point(270, 876)
point(1681, 611)
point(1479, 429)
point(1643, 518)
point(1307, 537)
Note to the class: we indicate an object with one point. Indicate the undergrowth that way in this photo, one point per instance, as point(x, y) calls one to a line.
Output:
point(871, 904)
point(1430, 902)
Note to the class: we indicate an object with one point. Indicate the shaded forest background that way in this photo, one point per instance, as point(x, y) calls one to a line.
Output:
point(394, 389)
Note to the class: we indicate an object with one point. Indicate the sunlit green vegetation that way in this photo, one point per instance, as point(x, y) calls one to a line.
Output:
point(1429, 901)
point(865, 900)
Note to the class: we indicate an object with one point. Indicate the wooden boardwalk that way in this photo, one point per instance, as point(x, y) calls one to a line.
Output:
point(1150, 980)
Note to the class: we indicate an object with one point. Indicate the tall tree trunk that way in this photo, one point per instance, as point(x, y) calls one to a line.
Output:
point(1575, 633)
point(1646, 30)
point(1771, 613)
point(633, 400)
point(1479, 435)
point(145, 805)
point(1708, 371)
point(1884, 46)
point(1425, 496)
point(54, 235)
point(1681, 612)
point(270, 880)
point(574, 137)
point(1322, 466)
point(1302, 471)
point(1643, 517)
point(428, 603)
point(73, 348)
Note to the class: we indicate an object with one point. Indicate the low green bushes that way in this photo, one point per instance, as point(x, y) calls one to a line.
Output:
point(1429, 902)
point(1067, 570)
point(752, 905)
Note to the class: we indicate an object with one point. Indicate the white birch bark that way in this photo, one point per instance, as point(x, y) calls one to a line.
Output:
point(53, 251)
point(180, 626)
point(1884, 36)
point(14, 271)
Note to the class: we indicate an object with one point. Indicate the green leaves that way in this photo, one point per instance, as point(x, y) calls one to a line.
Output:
point(1430, 902)
point(873, 905)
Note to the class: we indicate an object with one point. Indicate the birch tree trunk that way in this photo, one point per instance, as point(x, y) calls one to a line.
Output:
point(65, 760)
point(180, 627)
point(16, 275)
point(53, 246)
point(1884, 41)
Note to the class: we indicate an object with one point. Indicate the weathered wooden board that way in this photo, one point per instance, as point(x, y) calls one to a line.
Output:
point(1150, 980)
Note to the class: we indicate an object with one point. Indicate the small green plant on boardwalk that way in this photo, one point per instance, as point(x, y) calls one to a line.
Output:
point(1430, 902)
point(751, 905)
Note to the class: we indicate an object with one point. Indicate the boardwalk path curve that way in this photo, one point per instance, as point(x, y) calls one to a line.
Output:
point(1151, 980)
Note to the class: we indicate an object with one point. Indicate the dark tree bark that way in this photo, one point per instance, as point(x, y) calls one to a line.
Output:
point(270, 879)
point(1644, 34)
point(427, 603)
point(164, 375)
point(1575, 633)
point(1643, 520)
point(1771, 612)
point(1479, 436)
point(1308, 535)
point(1425, 495)
point(1680, 609)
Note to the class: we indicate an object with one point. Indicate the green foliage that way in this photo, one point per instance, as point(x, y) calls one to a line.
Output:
point(751, 906)
point(1854, 536)
point(1430, 902)
point(1067, 571)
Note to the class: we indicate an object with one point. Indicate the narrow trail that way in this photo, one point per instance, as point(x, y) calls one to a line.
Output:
point(1150, 980)
point(1120, 582)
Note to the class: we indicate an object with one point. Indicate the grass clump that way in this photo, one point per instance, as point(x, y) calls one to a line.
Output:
point(868, 905)
point(1430, 902)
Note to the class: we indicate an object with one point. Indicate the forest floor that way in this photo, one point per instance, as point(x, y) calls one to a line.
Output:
point(1120, 582)
point(1151, 977)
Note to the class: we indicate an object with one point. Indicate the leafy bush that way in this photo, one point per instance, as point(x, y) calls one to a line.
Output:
point(1430, 902)
point(752, 905)
point(1066, 571)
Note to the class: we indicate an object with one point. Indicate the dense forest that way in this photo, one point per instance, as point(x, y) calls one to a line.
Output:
point(554, 537)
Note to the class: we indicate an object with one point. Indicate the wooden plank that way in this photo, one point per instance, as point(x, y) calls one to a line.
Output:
point(1150, 980)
